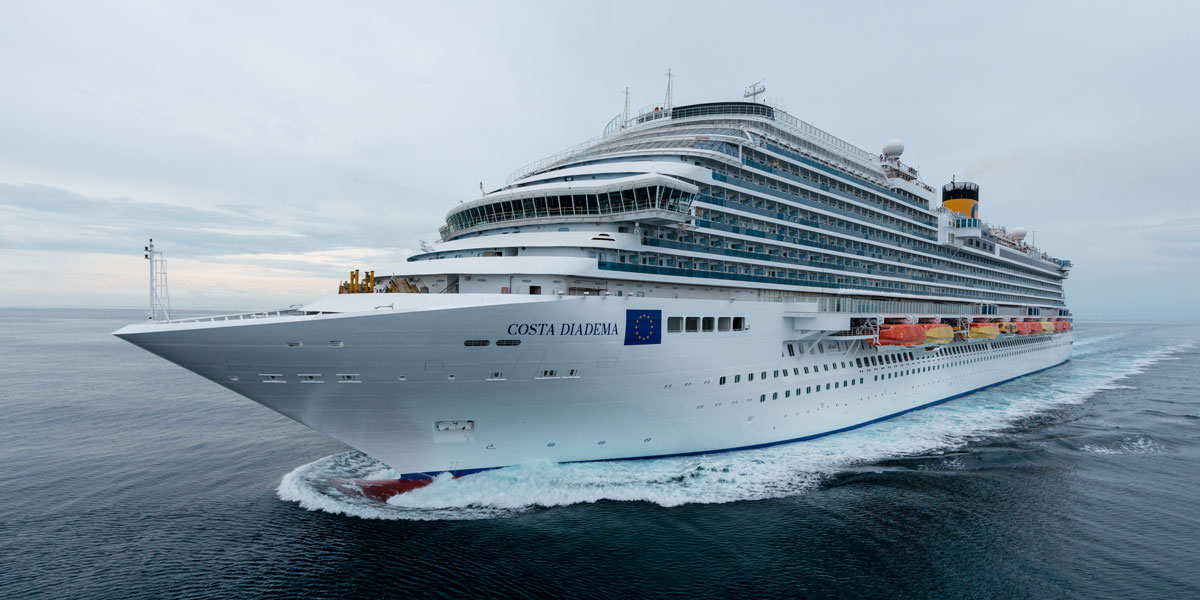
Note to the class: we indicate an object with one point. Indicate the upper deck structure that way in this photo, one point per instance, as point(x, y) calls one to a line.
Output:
point(737, 197)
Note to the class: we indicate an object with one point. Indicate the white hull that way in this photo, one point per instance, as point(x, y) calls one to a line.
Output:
point(402, 387)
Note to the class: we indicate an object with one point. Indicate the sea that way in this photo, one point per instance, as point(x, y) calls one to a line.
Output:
point(124, 476)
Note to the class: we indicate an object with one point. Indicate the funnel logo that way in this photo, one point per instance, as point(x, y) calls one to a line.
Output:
point(643, 327)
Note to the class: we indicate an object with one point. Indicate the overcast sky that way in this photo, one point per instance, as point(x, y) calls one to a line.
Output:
point(271, 147)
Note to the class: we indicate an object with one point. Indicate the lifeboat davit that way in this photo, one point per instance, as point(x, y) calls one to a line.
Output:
point(901, 335)
point(984, 331)
point(937, 333)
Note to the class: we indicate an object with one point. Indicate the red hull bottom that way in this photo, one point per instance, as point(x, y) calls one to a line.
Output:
point(379, 489)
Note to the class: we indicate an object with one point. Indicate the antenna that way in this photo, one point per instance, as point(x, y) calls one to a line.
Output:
point(755, 90)
point(481, 192)
point(625, 113)
point(160, 298)
point(670, 100)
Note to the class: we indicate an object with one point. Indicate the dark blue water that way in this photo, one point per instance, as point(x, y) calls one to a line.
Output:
point(122, 476)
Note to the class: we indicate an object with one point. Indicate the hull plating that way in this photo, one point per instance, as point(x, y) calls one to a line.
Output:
point(403, 386)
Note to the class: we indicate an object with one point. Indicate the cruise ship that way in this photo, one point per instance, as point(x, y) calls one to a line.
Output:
point(697, 279)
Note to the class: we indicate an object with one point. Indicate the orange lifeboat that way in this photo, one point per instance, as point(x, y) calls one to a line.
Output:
point(1060, 326)
point(901, 335)
point(1026, 328)
point(984, 331)
point(937, 333)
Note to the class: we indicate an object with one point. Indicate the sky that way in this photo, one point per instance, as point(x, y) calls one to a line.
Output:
point(271, 147)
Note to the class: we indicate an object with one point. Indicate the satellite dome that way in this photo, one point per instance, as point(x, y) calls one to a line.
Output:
point(1018, 233)
point(893, 148)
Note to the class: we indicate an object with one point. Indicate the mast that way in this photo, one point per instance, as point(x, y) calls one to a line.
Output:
point(670, 99)
point(625, 113)
point(754, 91)
point(160, 299)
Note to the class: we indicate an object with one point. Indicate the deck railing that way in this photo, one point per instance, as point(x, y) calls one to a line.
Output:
point(262, 314)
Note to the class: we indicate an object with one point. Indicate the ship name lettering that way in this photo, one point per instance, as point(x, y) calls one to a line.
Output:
point(563, 329)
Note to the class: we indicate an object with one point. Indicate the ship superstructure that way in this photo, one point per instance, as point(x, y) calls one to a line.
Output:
point(699, 278)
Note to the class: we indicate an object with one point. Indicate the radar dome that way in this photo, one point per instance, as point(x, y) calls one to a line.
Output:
point(893, 148)
point(1019, 234)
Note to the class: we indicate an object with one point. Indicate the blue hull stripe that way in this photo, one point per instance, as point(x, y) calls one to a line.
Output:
point(461, 472)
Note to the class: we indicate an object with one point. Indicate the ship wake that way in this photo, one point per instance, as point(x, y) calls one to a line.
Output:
point(730, 477)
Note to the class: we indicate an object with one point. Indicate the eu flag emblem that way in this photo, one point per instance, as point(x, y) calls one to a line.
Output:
point(643, 327)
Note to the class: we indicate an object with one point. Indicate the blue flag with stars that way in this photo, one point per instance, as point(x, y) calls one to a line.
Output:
point(643, 327)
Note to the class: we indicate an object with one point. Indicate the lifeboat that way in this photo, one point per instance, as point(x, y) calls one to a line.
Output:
point(1007, 328)
point(1025, 327)
point(901, 335)
point(937, 333)
point(984, 331)
point(1060, 326)
point(1046, 327)
point(1069, 326)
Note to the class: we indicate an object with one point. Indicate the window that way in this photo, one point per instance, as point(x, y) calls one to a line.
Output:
point(806, 370)
point(692, 324)
point(723, 324)
point(508, 342)
point(764, 374)
point(476, 343)
point(762, 398)
point(750, 377)
point(858, 362)
point(739, 323)
point(708, 324)
point(737, 378)
point(722, 380)
point(674, 324)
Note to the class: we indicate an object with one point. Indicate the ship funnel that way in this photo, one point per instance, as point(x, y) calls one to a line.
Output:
point(961, 197)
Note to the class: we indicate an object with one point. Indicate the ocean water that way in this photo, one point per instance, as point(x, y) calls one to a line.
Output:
point(123, 476)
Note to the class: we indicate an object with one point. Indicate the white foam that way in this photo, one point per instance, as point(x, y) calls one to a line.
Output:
point(747, 475)
point(1128, 445)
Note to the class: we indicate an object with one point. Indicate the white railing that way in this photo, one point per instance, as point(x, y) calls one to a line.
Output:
point(615, 127)
point(562, 155)
point(262, 314)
